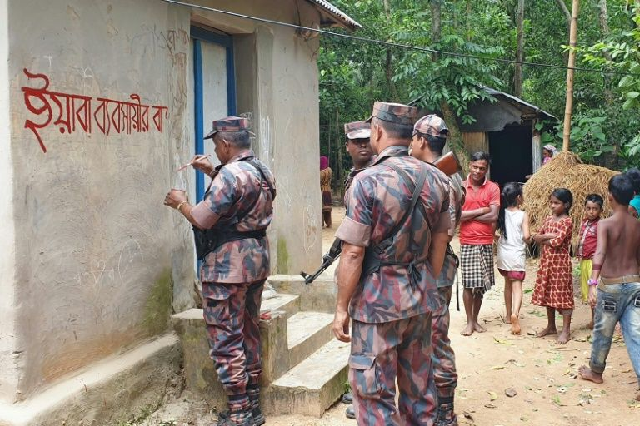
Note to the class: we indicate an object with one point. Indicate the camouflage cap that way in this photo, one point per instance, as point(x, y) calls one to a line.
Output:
point(228, 124)
point(394, 113)
point(358, 130)
point(431, 125)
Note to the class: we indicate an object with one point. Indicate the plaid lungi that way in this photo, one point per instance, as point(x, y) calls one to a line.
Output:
point(476, 263)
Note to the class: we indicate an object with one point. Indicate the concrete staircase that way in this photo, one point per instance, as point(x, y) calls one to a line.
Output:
point(304, 367)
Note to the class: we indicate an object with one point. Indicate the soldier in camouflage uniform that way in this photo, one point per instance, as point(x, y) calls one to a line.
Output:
point(238, 205)
point(429, 138)
point(358, 146)
point(394, 241)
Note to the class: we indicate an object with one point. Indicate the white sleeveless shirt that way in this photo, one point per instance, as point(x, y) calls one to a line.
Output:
point(512, 253)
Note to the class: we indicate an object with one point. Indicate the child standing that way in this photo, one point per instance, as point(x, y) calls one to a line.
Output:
point(588, 242)
point(514, 234)
point(554, 288)
point(617, 296)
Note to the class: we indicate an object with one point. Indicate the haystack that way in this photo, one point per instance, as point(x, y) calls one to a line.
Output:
point(565, 171)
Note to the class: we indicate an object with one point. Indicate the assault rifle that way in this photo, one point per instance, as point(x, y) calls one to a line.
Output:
point(327, 260)
point(448, 164)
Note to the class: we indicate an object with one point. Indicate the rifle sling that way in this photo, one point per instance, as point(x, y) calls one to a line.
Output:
point(209, 240)
point(372, 261)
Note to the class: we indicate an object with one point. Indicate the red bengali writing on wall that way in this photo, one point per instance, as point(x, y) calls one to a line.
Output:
point(71, 113)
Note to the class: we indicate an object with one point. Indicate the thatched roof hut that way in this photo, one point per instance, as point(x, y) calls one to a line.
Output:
point(565, 171)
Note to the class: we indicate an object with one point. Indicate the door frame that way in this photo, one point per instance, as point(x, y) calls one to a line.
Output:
point(200, 35)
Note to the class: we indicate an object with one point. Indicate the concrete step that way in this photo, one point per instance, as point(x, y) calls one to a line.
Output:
point(107, 392)
point(287, 303)
point(306, 333)
point(319, 296)
point(313, 385)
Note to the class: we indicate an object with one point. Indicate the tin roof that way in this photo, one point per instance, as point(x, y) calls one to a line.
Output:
point(519, 102)
point(339, 17)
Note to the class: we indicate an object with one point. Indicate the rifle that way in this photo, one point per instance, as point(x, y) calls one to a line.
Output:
point(327, 260)
point(448, 164)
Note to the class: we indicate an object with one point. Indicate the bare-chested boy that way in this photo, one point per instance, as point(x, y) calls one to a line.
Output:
point(616, 263)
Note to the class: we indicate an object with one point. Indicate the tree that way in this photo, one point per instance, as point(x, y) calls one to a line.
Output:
point(444, 82)
point(573, 38)
point(622, 54)
point(567, 15)
point(389, 64)
point(354, 74)
point(603, 19)
point(517, 81)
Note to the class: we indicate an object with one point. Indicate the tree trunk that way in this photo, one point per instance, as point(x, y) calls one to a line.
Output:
point(436, 21)
point(468, 35)
point(573, 38)
point(517, 80)
point(567, 14)
point(389, 64)
point(455, 142)
point(603, 18)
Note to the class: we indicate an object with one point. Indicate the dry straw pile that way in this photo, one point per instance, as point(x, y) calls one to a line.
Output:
point(565, 171)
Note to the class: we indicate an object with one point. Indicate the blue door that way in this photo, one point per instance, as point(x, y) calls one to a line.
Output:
point(215, 89)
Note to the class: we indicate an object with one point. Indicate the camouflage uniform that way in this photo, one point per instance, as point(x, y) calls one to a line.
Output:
point(233, 275)
point(444, 368)
point(391, 307)
point(443, 357)
point(354, 130)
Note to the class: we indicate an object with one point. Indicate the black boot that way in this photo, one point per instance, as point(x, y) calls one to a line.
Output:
point(350, 412)
point(445, 415)
point(347, 398)
point(254, 400)
point(235, 418)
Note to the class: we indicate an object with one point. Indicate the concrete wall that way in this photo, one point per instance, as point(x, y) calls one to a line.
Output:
point(277, 85)
point(8, 368)
point(98, 254)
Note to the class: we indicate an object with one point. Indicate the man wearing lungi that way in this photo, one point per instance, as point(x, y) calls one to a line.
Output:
point(478, 222)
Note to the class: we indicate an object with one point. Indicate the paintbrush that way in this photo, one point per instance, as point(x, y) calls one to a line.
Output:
point(199, 157)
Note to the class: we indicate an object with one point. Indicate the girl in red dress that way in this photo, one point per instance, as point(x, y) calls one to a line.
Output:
point(554, 286)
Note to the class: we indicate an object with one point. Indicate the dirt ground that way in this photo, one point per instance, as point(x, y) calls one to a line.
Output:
point(542, 373)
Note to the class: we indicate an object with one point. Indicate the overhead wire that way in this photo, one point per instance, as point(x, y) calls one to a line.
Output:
point(394, 44)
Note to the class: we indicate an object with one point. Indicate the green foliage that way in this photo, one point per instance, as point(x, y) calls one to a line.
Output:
point(621, 54)
point(354, 74)
point(457, 80)
point(589, 140)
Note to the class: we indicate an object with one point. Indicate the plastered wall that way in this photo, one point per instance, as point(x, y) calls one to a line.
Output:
point(8, 367)
point(104, 88)
point(98, 252)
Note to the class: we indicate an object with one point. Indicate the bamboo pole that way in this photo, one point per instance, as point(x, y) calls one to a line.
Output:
point(517, 80)
point(573, 37)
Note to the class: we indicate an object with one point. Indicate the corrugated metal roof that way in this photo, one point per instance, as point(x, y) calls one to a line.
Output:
point(516, 100)
point(336, 13)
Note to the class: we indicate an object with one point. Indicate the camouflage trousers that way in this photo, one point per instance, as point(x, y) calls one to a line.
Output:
point(232, 314)
point(443, 358)
point(380, 353)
